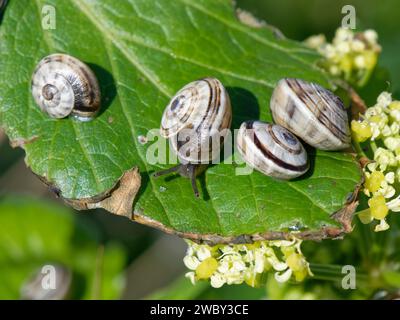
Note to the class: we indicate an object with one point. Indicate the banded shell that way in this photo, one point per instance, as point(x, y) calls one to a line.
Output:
point(272, 150)
point(62, 85)
point(195, 120)
point(311, 112)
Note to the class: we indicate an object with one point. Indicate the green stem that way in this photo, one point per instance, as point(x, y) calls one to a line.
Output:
point(359, 150)
point(373, 145)
point(382, 243)
point(362, 211)
point(334, 273)
point(364, 79)
point(365, 240)
point(98, 274)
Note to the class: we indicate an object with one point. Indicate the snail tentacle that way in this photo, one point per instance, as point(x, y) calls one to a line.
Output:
point(195, 120)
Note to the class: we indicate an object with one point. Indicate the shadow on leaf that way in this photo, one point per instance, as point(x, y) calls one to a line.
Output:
point(107, 86)
point(244, 106)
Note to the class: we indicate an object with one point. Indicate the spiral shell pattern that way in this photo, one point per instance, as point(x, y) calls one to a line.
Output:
point(272, 150)
point(196, 118)
point(62, 85)
point(312, 113)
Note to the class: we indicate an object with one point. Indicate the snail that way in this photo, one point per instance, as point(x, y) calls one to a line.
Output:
point(312, 113)
point(195, 121)
point(272, 150)
point(62, 85)
point(50, 282)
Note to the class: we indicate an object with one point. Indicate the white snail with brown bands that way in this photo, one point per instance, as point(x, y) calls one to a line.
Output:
point(272, 150)
point(312, 113)
point(195, 121)
point(62, 86)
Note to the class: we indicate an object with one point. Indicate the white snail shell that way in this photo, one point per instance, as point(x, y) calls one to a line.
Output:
point(311, 112)
point(272, 150)
point(62, 85)
point(198, 113)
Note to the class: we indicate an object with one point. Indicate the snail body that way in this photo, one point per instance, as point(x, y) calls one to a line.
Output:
point(62, 86)
point(195, 121)
point(312, 113)
point(272, 150)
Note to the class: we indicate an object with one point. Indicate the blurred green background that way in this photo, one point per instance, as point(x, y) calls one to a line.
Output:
point(303, 18)
point(112, 258)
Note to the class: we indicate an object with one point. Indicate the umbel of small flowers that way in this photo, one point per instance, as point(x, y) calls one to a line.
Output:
point(351, 56)
point(380, 127)
point(235, 264)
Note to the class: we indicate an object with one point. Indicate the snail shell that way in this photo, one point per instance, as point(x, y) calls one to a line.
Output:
point(272, 150)
point(33, 288)
point(195, 121)
point(311, 112)
point(62, 85)
point(198, 114)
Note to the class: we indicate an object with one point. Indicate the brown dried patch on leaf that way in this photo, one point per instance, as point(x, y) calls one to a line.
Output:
point(121, 199)
point(117, 200)
point(343, 216)
point(250, 20)
point(364, 161)
point(21, 142)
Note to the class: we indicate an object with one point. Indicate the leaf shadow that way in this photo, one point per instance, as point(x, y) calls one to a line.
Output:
point(244, 106)
point(107, 86)
point(201, 179)
point(145, 177)
point(311, 154)
point(3, 4)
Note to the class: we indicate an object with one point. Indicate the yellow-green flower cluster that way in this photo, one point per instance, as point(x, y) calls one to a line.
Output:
point(351, 56)
point(381, 125)
point(235, 264)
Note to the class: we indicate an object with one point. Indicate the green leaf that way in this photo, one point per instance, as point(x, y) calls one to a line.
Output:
point(34, 233)
point(143, 52)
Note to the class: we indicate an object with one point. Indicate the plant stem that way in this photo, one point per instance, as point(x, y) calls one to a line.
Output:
point(359, 150)
point(366, 241)
point(98, 275)
point(334, 273)
point(373, 145)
